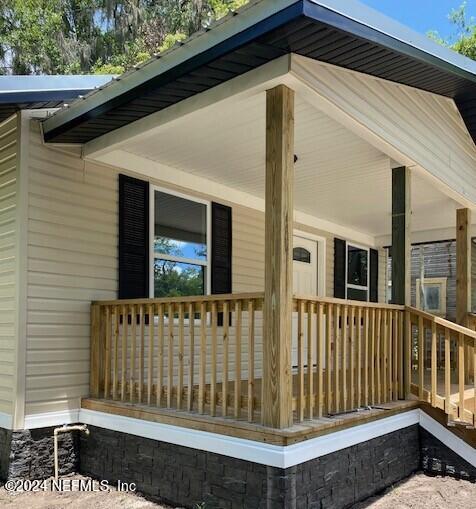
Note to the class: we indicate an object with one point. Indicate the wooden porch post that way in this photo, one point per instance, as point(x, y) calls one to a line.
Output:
point(401, 260)
point(277, 316)
point(463, 265)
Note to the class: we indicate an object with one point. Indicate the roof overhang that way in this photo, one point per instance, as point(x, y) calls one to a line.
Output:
point(341, 32)
point(39, 92)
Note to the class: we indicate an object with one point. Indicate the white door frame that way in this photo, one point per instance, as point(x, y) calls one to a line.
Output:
point(321, 258)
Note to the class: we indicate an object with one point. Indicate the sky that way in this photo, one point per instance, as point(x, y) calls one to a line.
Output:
point(423, 15)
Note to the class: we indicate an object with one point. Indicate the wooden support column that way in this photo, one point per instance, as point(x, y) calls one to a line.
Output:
point(401, 260)
point(463, 265)
point(277, 315)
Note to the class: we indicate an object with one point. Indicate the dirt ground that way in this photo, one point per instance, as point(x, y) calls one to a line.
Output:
point(418, 492)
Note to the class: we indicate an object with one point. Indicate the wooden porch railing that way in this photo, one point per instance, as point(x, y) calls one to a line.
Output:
point(441, 373)
point(349, 355)
point(205, 354)
point(187, 353)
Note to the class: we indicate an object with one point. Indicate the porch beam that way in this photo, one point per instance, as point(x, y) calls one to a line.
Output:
point(401, 262)
point(463, 265)
point(277, 316)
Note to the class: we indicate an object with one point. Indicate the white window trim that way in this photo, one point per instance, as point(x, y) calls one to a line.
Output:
point(443, 282)
point(204, 263)
point(357, 287)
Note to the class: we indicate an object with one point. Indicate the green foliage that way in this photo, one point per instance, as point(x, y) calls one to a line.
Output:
point(464, 40)
point(101, 36)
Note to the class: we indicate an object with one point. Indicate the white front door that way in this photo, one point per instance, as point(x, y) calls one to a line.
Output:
point(305, 277)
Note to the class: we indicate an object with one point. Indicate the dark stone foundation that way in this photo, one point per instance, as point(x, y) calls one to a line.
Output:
point(29, 454)
point(186, 477)
point(437, 459)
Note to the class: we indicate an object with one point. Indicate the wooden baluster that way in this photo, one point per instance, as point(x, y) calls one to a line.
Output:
point(358, 363)
point(150, 363)
point(107, 357)
point(474, 382)
point(300, 346)
point(421, 357)
point(133, 354)
point(160, 354)
point(337, 359)
point(180, 355)
point(203, 359)
point(213, 380)
point(366, 355)
point(434, 372)
point(310, 362)
point(95, 346)
point(344, 337)
point(251, 358)
point(141, 352)
point(329, 319)
point(191, 355)
point(448, 372)
point(351, 396)
point(170, 355)
point(461, 373)
point(238, 308)
point(387, 360)
point(226, 347)
point(319, 358)
point(378, 354)
point(372, 356)
point(125, 319)
point(115, 370)
point(397, 352)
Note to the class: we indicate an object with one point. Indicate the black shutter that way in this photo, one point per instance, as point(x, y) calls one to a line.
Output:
point(221, 249)
point(373, 290)
point(133, 238)
point(339, 268)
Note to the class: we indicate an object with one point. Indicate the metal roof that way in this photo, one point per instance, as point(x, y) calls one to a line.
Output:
point(36, 92)
point(341, 32)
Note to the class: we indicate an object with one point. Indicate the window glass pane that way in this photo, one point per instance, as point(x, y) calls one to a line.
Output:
point(301, 255)
point(354, 294)
point(432, 298)
point(176, 279)
point(357, 266)
point(180, 227)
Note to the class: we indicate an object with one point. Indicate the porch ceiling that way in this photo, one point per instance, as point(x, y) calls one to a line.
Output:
point(339, 176)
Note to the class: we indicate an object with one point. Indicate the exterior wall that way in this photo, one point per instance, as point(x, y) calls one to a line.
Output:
point(72, 260)
point(473, 276)
point(8, 258)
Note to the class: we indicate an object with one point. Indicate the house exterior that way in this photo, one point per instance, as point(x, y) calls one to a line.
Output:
point(195, 266)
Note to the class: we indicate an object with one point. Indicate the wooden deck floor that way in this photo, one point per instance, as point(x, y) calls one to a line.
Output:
point(242, 429)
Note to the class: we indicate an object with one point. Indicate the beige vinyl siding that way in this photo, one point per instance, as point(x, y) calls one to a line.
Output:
point(72, 260)
point(8, 236)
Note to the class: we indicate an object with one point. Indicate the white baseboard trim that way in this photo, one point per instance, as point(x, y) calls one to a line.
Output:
point(449, 439)
point(6, 421)
point(250, 450)
point(47, 419)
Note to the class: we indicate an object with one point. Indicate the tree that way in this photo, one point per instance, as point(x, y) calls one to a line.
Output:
point(464, 41)
point(82, 36)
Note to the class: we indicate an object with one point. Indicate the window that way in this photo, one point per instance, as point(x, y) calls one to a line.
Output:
point(300, 254)
point(180, 250)
point(432, 297)
point(357, 279)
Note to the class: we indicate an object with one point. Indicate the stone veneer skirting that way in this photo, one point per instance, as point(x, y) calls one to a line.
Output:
point(29, 454)
point(185, 476)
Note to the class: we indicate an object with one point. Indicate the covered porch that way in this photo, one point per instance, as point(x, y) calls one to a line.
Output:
point(288, 353)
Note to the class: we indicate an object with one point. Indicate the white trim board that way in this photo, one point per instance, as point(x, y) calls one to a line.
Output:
point(52, 419)
point(6, 420)
point(250, 450)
